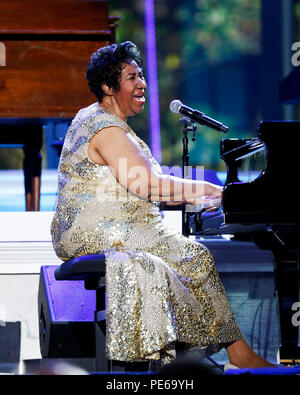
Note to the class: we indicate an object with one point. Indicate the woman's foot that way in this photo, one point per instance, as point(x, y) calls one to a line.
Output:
point(242, 356)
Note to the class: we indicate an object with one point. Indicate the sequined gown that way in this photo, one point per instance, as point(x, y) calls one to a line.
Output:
point(161, 287)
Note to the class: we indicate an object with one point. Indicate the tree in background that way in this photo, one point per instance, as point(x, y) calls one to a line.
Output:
point(205, 48)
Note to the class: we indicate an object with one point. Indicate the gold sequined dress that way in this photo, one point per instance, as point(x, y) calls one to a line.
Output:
point(161, 287)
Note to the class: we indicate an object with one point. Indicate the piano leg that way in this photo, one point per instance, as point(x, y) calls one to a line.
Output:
point(32, 193)
point(32, 166)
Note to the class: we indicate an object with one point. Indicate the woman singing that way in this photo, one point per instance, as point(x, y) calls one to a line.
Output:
point(162, 287)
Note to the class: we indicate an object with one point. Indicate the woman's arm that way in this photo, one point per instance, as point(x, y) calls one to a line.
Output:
point(134, 171)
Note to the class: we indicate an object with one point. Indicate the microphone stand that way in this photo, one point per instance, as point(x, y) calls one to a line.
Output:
point(187, 127)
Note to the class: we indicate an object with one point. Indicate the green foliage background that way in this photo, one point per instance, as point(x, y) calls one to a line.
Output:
point(191, 35)
point(195, 39)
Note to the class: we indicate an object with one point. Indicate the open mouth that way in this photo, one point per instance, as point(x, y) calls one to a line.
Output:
point(140, 98)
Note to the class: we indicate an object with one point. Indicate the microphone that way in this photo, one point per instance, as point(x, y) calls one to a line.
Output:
point(177, 107)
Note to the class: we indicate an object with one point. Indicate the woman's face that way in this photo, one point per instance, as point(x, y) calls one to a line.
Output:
point(130, 97)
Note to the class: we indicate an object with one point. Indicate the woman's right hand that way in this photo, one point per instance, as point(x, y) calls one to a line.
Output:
point(212, 196)
point(213, 191)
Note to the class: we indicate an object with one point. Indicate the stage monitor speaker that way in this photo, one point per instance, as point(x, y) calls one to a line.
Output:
point(66, 317)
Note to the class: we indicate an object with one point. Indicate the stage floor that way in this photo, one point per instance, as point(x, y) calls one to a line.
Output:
point(249, 286)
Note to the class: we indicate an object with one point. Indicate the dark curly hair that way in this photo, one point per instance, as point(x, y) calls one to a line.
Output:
point(105, 66)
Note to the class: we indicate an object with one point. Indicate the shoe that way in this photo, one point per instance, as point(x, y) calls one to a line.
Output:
point(229, 366)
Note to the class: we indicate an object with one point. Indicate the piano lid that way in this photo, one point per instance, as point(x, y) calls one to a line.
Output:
point(269, 197)
point(289, 88)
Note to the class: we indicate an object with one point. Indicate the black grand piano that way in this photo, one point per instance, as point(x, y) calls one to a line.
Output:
point(260, 203)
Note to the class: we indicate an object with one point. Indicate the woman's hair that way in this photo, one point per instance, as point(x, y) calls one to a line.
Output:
point(105, 66)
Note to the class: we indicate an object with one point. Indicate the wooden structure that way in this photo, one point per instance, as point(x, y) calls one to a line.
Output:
point(47, 47)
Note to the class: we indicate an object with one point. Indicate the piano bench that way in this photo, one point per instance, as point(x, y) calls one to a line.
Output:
point(90, 269)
